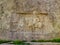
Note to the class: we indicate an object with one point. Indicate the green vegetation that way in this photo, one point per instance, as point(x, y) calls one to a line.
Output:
point(15, 42)
point(4, 41)
point(52, 40)
point(23, 44)
point(19, 42)
point(56, 40)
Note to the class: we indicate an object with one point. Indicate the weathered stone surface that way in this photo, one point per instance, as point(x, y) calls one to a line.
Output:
point(29, 19)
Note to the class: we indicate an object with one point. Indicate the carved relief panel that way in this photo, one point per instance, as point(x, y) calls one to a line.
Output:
point(35, 24)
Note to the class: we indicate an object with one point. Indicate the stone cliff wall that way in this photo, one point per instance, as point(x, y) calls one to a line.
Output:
point(29, 19)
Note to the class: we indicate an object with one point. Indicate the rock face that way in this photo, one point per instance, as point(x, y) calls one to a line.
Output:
point(29, 19)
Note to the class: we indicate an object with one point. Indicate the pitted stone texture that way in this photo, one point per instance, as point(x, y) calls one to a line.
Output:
point(15, 24)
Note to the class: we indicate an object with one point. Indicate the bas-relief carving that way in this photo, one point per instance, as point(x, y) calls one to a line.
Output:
point(40, 26)
point(35, 21)
point(35, 25)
